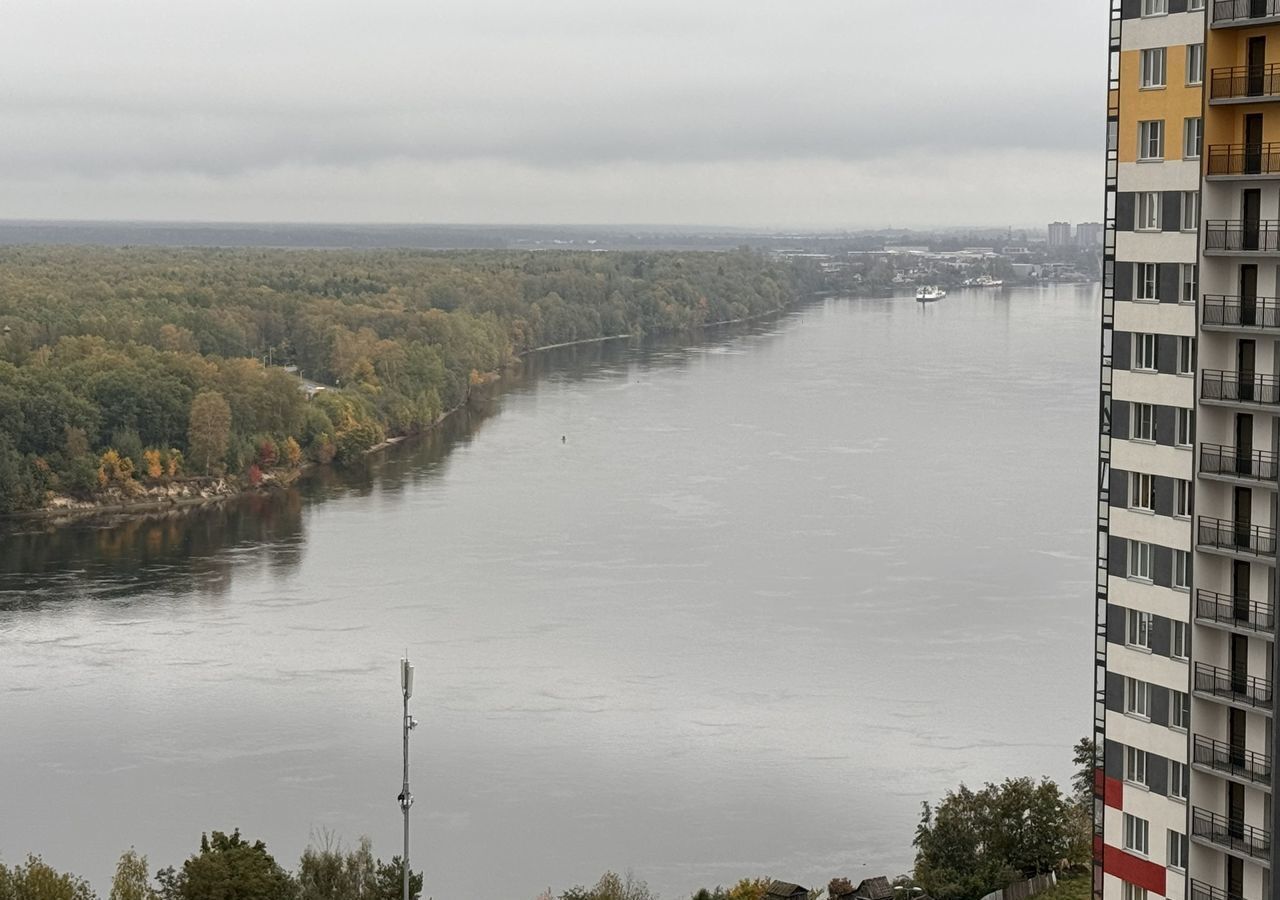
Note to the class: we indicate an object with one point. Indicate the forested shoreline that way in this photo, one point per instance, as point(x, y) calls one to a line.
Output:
point(126, 370)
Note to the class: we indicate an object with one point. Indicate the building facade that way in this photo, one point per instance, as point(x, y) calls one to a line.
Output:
point(1060, 234)
point(1189, 454)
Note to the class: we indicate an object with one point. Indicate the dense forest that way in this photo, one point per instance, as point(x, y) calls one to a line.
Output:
point(121, 368)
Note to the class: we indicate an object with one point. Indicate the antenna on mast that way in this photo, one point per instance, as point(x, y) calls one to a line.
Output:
point(409, 723)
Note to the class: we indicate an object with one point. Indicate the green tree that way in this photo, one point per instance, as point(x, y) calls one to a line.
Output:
point(227, 868)
point(35, 880)
point(1085, 757)
point(390, 881)
point(209, 429)
point(132, 880)
point(612, 886)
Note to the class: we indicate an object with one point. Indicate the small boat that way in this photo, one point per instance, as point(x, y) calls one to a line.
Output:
point(987, 281)
point(929, 293)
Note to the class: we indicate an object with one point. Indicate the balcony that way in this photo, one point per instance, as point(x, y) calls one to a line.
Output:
point(1202, 891)
point(1243, 161)
point(1222, 312)
point(1230, 236)
point(1244, 84)
point(1234, 13)
point(1236, 538)
point(1236, 613)
point(1215, 683)
point(1252, 389)
point(1231, 834)
point(1239, 465)
point(1241, 764)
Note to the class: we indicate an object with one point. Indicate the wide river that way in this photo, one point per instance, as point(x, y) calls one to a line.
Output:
point(701, 612)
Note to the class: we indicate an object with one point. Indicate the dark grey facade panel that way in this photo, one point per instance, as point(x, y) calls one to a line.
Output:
point(1126, 211)
point(1158, 774)
point(1169, 282)
point(1120, 421)
point(1116, 616)
point(1159, 705)
point(1124, 280)
point(1177, 6)
point(1166, 425)
point(1112, 759)
point(1119, 488)
point(1171, 211)
point(1130, 9)
point(1161, 635)
point(1122, 351)
point(1118, 556)
point(1167, 354)
point(1164, 495)
point(1115, 691)
point(1162, 567)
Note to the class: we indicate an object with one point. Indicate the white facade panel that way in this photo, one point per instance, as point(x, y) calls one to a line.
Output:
point(1170, 175)
point(1156, 318)
point(1163, 31)
point(1151, 387)
point(1157, 246)
point(1154, 459)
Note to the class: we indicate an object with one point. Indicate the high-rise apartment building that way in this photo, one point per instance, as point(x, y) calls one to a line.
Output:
point(1189, 453)
point(1089, 235)
point(1059, 234)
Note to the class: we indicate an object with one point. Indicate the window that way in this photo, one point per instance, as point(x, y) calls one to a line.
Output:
point(1151, 139)
point(1148, 211)
point(1142, 424)
point(1144, 352)
point(1178, 783)
point(1190, 210)
point(1140, 560)
point(1182, 499)
point(1137, 697)
point(1139, 634)
point(1179, 710)
point(1181, 571)
point(1177, 850)
point(1186, 424)
point(1133, 892)
point(1155, 7)
point(1192, 137)
point(1153, 67)
point(1195, 63)
point(1186, 356)
point(1190, 283)
point(1135, 834)
point(1141, 491)
point(1148, 281)
point(1178, 642)
point(1135, 765)
point(1195, 4)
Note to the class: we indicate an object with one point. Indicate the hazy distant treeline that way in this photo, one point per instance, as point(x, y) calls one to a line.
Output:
point(133, 365)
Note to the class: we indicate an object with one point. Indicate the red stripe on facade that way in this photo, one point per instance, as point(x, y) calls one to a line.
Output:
point(1113, 793)
point(1140, 872)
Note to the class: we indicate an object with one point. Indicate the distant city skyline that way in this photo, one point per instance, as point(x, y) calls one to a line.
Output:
point(558, 113)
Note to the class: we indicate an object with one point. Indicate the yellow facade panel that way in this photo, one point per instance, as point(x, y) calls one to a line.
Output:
point(1173, 104)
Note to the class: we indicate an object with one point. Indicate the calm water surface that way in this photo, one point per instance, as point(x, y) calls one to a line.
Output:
point(769, 594)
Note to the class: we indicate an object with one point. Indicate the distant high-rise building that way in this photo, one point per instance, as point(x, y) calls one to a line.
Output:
point(1059, 234)
point(1089, 235)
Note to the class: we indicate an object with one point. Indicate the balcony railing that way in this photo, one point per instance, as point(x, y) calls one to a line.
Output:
point(1224, 684)
point(1234, 612)
point(1240, 236)
point(1244, 159)
point(1242, 82)
point(1230, 387)
point(1234, 761)
point(1237, 537)
point(1241, 312)
point(1227, 12)
point(1202, 891)
point(1231, 833)
point(1256, 465)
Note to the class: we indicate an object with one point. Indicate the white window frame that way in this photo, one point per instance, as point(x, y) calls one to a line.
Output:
point(1155, 8)
point(1193, 5)
point(1139, 560)
point(1142, 492)
point(1179, 710)
point(1135, 766)
point(1151, 140)
point(1133, 892)
point(1192, 137)
point(1181, 570)
point(1186, 355)
point(1142, 422)
point(1195, 63)
point(1154, 68)
point(1190, 288)
point(1190, 211)
point(1149, 203)
point(1177, 776)
point(1186, 422)
point(1147, 281)
point(1137, 835)
point(1138, 627)
point(1145, 350)
point(1179, 634)
point(1182, 499)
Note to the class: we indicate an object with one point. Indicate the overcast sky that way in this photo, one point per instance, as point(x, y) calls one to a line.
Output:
point(719, 112)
